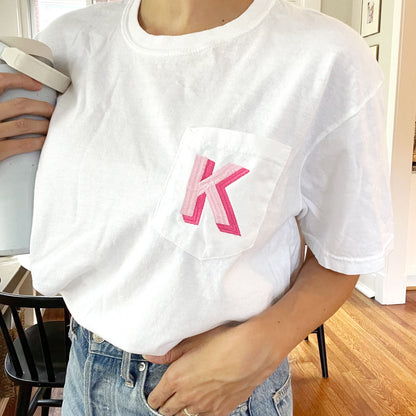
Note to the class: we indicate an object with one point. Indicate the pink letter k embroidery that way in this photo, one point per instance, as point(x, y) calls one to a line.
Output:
point(203, 183)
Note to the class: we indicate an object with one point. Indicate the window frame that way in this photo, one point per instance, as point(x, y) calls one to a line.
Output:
point(27, 9)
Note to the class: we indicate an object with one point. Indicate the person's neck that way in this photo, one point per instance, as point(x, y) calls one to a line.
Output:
point(178, 17)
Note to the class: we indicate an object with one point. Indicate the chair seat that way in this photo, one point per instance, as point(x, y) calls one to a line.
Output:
point(55, 333)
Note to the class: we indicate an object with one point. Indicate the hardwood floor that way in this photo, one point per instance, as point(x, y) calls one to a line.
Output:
point(371, 359)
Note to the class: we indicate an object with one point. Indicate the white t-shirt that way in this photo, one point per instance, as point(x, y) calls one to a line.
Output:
point(175, 167)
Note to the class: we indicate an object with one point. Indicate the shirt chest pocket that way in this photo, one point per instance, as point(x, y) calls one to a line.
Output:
point(218, 191)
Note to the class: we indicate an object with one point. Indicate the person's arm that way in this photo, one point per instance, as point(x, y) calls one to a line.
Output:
point(212, 373)
point(18, 107)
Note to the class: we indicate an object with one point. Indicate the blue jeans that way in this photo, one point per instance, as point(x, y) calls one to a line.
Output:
point(103, 380)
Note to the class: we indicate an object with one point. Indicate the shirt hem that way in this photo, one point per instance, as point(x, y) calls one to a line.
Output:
point(349, 265)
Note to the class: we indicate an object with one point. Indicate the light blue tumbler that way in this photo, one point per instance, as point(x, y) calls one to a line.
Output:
point(17, 173)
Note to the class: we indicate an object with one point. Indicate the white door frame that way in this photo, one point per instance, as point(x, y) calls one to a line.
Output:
point(312, 4)
point(391, 289)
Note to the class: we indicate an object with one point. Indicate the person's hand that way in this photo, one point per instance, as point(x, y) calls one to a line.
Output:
point(19, 107)
point(212, 373)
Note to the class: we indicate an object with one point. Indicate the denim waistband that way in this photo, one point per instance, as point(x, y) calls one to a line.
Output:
point(99, 346)
point(105, 370)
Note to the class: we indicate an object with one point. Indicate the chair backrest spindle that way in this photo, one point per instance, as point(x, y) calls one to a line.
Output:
point(45, 346)
point(38, 357)
point(25, 345)
point(10, 347)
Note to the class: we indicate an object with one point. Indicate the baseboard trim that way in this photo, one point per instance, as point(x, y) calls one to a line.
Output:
point(411, 282)
point(365, 290)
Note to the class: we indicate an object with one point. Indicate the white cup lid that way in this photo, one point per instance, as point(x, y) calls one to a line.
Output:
point(18, 54)
point(30, 46)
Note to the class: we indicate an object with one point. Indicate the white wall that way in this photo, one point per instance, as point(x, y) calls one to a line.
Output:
point(340, 9)
point(394, 285)
point(9, 19)
point(349, 12)
point(14, 18)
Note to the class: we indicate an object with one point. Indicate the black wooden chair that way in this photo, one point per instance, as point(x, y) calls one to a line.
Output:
point(322, 349)
point(39, 355)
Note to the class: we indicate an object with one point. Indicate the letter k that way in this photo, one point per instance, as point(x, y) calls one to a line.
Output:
point(205, 184)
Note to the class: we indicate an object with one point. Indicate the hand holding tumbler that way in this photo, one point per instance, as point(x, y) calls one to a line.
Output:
point(18, 171)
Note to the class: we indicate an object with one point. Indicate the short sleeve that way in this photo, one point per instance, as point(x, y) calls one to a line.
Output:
point(347, 218)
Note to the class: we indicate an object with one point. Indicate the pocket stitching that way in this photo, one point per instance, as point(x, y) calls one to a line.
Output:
point(281, 393)
point(164, 229)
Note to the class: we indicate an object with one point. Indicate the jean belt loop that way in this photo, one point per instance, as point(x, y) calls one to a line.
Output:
point(125, 369)
point(73, 328)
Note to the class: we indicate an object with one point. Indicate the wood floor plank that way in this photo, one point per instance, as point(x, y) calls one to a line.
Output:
point(371, 359)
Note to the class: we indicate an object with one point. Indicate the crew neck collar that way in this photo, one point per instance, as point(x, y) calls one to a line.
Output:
point(191, 42)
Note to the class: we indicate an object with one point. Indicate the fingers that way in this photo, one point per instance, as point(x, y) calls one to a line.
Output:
point(157, 359)
point(171, 356)
point(176, 352)
point(189, 411)
point(172, 407)
point(165, 399)
point(9, 81)
point(159, 395)
point(17, 146)
point(19, 106)
point(23, 126)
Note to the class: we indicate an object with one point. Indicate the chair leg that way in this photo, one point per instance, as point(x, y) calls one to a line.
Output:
point(46, 395)
point(322, 351)
point(34, 400)
point(23, 400)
